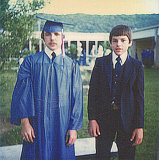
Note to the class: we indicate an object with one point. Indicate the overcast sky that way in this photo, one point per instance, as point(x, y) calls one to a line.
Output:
point(101, 7)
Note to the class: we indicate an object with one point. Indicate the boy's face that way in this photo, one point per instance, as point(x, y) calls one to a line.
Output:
point(53, 40)
point(120, 44)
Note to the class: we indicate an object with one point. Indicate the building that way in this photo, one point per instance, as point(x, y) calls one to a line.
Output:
point(84, 40)
point(146, 38)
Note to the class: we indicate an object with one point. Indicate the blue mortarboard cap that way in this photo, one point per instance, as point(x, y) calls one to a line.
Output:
point(52, 25)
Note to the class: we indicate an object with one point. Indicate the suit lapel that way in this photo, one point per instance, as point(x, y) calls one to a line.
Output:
point(108, 70)
point(128, 70)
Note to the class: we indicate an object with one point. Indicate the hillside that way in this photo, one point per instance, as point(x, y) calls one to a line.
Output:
point(103, 23)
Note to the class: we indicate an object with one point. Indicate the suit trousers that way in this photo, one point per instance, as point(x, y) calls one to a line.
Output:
point(111, 129)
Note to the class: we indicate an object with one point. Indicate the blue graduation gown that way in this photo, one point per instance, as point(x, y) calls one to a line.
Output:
point(50, 94)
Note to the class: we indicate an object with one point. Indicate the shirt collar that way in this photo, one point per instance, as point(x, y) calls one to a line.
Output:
point(123, 58)
point(49, 52)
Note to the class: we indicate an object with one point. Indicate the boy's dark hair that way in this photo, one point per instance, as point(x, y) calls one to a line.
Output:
point(121, 30)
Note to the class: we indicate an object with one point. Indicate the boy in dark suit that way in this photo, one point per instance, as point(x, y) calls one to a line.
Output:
point(116, 99)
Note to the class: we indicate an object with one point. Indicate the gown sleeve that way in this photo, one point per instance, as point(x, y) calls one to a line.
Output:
point(76, 120)
point(22, 105)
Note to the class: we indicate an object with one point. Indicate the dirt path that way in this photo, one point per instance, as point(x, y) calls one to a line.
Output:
point(5, 126)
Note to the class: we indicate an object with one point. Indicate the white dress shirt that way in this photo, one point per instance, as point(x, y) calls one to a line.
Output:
point(123, 58)
point(49, 52)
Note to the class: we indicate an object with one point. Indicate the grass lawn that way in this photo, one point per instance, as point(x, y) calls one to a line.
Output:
point(10, 135)
point(148, 149)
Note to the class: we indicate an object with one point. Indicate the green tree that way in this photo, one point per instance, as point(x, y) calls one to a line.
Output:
point(106, 45)
point(73, 51)
point(17, 23)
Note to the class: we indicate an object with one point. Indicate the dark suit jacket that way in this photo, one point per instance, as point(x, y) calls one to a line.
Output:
point(132, 95)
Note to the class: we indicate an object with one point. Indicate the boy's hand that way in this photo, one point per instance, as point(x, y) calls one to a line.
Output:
point(71, 137)
point(138, 136)
point(93, 128)
point(27, 131)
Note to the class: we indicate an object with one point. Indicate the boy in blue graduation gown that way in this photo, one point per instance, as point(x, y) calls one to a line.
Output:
point(48, 100)
point(116, 99)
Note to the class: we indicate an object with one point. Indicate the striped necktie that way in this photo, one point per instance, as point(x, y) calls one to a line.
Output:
point(53, 56)
point(118, 64)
